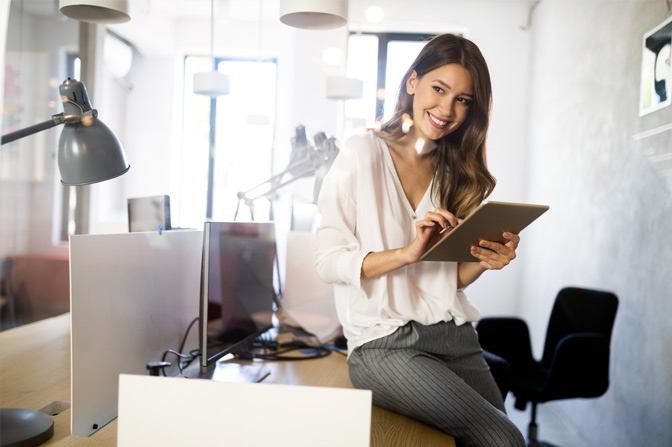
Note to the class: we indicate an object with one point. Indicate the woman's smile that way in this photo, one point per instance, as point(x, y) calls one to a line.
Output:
point(441, 100)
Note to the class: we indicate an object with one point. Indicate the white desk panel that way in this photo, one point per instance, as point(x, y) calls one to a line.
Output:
point(132, 296)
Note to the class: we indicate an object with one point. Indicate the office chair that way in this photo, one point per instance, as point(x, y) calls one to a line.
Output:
point(575, 361)
point(501, 372)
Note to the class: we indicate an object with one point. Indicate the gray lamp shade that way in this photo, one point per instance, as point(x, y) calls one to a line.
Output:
point(90, 154)
point(88, 151)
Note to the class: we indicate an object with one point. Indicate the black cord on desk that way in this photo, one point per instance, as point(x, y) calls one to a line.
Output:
point(183, 360)
point(278, 355)
point(279, 350)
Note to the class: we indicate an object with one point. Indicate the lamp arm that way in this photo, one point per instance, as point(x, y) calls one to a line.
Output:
point(13, 136)
point(309, 164)
point(306, 172)
point(301, 174)
point(55, 120)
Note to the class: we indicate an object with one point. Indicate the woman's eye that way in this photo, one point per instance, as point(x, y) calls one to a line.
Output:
point(438, 89)
point(465, 101)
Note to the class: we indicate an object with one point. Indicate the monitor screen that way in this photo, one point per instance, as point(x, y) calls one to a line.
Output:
point(148, 213)
point(237, 289)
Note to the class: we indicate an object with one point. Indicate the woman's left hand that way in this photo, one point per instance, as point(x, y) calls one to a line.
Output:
point(494, 255)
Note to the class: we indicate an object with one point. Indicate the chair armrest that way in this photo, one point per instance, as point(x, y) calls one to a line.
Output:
point(580, 367)
point(501, 371)
point(507, 337)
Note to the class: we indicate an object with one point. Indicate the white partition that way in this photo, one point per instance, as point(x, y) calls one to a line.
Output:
point(306, 298)
point(132, 296)
point(176, 412)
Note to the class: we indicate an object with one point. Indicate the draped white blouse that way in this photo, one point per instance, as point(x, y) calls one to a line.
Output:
point(364, 209)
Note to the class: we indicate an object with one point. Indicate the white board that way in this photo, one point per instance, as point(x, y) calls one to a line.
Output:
point(306, 298)
point(178, 412)
point(132, 296)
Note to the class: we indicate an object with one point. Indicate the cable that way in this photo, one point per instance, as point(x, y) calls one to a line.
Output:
point(188, 358)
point(186, 334)
point(193, 354)
point(277, 356)
point(295, 344)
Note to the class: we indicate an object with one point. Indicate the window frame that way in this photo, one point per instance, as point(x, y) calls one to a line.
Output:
point(383, 40)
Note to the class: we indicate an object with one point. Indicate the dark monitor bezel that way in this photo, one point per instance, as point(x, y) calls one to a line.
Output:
point(205, 360)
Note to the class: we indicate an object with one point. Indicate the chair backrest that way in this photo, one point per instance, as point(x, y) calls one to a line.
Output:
point(578, 310)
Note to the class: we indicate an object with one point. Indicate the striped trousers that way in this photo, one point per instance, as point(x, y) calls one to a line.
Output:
point(436, 374)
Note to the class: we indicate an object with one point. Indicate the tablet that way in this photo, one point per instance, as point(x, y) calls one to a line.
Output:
point(487, 222)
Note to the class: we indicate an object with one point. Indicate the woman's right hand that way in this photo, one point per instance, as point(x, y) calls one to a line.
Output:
point(430, 230)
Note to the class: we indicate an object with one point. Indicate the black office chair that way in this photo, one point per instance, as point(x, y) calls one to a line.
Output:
point(501, 371)
point(575, 361)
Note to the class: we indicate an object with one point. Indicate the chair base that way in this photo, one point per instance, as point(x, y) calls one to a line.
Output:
point(532, 430)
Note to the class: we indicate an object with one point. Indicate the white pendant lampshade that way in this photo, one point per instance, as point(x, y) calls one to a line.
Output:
point(314, 14)
point(341, 87)
point(96, 11)
point(211, 83)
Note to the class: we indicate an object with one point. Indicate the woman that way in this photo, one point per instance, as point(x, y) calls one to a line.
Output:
point(384, 202)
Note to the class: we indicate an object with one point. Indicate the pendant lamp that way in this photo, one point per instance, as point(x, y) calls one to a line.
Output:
point(314, 14)
point(211, 83)
point(96, 11)
point(342, 87)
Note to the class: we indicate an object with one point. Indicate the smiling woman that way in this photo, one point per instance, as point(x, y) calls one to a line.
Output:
point(387, 197)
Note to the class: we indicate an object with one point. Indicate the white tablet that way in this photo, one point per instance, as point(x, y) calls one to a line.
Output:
point(487, 222)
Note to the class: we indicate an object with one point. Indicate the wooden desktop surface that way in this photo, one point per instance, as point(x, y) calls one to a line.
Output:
point(35, 372)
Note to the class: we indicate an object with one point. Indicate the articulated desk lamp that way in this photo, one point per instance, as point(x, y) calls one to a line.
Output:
point(305, 160)
point(88, 152)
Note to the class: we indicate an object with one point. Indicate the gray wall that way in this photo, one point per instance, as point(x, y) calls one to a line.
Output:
point(610, 222)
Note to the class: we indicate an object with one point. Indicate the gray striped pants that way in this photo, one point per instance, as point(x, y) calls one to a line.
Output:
point(436, 374)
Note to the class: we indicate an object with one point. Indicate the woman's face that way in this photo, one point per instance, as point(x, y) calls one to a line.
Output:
point(441, 100)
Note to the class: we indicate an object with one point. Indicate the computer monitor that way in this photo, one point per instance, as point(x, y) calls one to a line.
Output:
point(237, 289)
point(149, 213)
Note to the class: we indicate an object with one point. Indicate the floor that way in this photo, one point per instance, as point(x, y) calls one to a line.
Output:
point(551, 423)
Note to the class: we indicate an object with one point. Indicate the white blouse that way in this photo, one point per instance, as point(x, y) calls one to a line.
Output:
point(364, 209)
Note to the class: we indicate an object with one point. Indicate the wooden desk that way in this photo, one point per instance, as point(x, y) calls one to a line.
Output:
point(35, 372)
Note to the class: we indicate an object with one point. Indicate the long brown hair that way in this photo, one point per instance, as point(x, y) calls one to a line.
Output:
point(462, 180)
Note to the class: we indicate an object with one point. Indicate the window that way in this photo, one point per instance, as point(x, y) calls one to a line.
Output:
point(380, 60)
point(227, 141)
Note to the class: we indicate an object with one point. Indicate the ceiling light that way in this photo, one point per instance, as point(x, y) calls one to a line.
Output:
point(96, 11)
point(211, 83)
point(341, 87)
point(314, 14)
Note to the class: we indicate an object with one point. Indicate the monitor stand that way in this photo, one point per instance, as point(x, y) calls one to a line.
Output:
point(228, 371)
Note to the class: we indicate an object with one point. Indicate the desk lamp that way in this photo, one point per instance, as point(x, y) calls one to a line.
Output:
point(88, 151)
point(306, 160)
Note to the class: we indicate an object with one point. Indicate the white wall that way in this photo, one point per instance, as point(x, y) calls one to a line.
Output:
point(610, 222)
